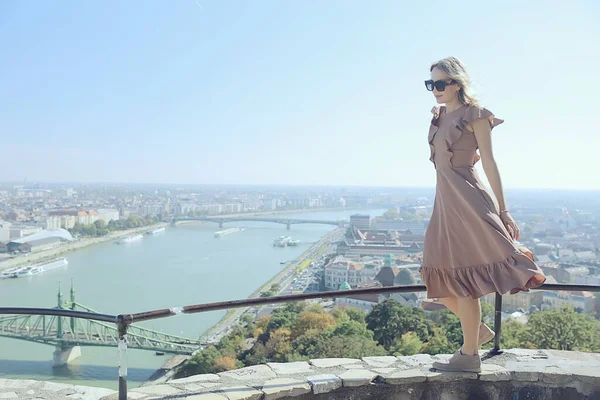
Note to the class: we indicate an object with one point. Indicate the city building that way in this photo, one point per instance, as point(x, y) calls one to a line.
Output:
point(108, 214)
point(340, 270)
point(5, 231)
point(360, 221)
point(39, 241)
point(19, 231)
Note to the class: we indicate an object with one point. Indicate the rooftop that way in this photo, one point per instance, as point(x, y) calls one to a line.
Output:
point(45, 234)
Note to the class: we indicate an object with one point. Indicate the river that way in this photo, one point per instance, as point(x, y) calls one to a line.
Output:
point(184, 265)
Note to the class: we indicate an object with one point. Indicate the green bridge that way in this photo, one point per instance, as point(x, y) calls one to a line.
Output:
point(67, 334)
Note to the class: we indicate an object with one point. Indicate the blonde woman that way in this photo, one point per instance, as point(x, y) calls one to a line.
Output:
point(470, 245)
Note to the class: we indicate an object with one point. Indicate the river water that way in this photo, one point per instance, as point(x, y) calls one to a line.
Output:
point(184, 265)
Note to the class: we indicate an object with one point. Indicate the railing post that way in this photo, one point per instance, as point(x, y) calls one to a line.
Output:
point(497, 325)
point(122, 348)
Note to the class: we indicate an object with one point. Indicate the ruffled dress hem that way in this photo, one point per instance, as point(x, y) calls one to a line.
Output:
point(514, 274)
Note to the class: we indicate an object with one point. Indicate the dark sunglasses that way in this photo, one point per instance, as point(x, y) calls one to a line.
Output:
point(439, 85)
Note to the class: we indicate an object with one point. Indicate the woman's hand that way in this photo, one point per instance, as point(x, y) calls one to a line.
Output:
point(510, 225)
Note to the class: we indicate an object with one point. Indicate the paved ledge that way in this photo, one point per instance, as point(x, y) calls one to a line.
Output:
point(525, 374)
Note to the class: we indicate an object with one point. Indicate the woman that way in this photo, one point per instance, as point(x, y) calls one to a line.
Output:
point(470, 245)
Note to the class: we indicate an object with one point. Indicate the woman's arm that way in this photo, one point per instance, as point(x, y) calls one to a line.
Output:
point(482, 130)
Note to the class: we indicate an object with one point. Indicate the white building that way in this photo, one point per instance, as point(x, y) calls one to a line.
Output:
point(5, 231)
point(342, 270)
point(150, 209)
point(233, 208)
point(108, 214)
point(17, 232)
point(53, 222)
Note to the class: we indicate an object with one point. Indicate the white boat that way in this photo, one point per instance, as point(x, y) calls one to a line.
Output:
point(13, 272)
point(30, 270)
point(282, 241)
point(52, 264)
point(226, 232)
point(130, 239)
point(155, 231)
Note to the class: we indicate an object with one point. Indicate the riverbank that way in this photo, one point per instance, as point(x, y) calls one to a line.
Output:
point(74, 245)
point(214, 333)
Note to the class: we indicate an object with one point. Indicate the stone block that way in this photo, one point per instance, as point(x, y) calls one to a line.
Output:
point(16, 383)
point(380, 362)
point(494, 373)
point(443, 376)
point(333, 362)
point(54, 387)
point(197, 378)
point(526, 371)
point(9, 395)
point(290, 368)
point(358, 377)
point(586, 374)
point(354, 366)
point(416, 361)
point(555, 375)
point(157, 389)
point(253, 373)
point(384, 371)
point(206, 396)
point(284, 387)
point(242, 393)
point(407, 376)
point(324, 383)
point(200, 387)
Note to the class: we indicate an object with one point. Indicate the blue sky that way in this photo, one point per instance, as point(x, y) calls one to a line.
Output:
point(289, 92)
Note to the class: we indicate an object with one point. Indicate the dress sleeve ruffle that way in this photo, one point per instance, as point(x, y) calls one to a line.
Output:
point(475, 113)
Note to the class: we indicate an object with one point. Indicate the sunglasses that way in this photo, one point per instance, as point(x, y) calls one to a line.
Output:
point(440, 86)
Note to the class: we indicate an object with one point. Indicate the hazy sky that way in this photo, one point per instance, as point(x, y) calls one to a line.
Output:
point(290, 92)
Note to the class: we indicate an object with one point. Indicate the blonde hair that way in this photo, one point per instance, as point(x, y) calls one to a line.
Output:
point(457, 71)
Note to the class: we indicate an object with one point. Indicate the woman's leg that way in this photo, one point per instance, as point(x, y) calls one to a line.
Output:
point(451, 304)
point(469, 313)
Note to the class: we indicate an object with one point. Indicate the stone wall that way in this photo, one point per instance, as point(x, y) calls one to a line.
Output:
point(514, 375)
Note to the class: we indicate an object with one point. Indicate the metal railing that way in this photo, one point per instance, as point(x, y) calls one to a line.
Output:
point(124, 320)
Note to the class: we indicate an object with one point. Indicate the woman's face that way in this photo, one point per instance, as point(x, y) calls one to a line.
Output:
point(450, 93)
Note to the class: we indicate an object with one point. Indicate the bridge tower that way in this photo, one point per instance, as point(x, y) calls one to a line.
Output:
point(288, 226)
point(221, 224)
point(64, 354)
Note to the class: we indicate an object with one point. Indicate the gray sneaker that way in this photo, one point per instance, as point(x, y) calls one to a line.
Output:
point(460, 363)
point(485, 334)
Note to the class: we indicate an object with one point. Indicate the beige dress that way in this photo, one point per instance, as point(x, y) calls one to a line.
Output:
point(467, 250)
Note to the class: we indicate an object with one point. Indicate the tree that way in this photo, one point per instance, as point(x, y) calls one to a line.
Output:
point(391, 214)
point(405, 278)
point(356, 315)
point(225, 363)
point(100, 224)
point(346, 347)
point(563, 330)
point(310, 320)
point(446, 320)
point(407, 345)
point(390, 319)
point(201, 363)
point(352, 328)
point(279, 344)
point(246, 319)
point(438, 343)
point(514, 335)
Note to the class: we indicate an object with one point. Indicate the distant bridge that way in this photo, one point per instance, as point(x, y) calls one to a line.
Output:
point(67, 333)
point(284, 221)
